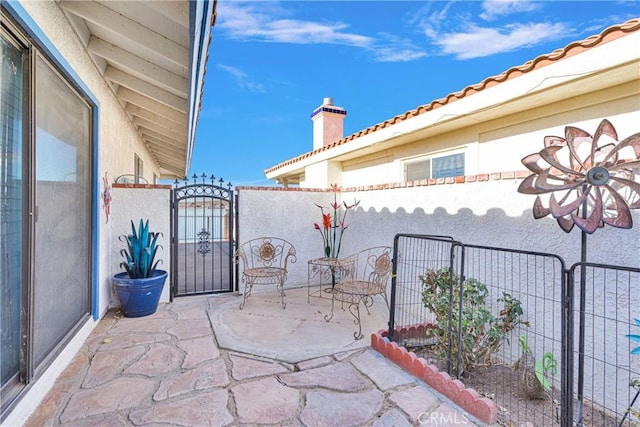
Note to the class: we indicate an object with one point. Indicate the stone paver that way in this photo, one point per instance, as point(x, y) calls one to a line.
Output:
point(198, 350)
point(340, 376)
point(207, 409)
point(214, 374)
point(142, 325)
point(444, 416)
point(106, 365)
point(116, 395)
point(127, 339)
point(314, 363)
point(265, 401)
point(375, 366)
point(392, 417)
point(167, 369)
point(328, 408)
point(415, 401)
point(185, 329)
point(244, 367)
point(160, 359)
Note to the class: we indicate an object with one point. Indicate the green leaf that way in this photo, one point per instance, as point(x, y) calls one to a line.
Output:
point(141, 251)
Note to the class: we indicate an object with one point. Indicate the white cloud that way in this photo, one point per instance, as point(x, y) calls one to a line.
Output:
point(391, 48)
point(241, 78)
point(268, 22)
point(477, 42)
point(393, 55)
point(496, 8)
point(243, 21)
point(430, 21)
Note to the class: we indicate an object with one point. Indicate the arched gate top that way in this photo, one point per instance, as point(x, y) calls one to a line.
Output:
point(203, 186)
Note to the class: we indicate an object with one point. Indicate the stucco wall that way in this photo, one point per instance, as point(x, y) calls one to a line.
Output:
point(132, 203)
point(497, 145)
point(490, 213)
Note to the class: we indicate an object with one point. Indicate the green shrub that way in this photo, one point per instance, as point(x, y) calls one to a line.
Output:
point(482, 333)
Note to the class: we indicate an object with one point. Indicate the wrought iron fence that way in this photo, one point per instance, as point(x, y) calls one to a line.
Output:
point(547, 344)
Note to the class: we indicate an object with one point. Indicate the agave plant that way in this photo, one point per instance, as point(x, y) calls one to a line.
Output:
point(635, 337)
point(140, 252)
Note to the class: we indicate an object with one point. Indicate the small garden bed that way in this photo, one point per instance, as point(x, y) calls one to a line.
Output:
point(490, 393)
point(467, 398)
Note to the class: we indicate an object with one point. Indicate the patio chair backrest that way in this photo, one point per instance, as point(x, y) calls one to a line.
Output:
point(266, 252)
point(371, 265)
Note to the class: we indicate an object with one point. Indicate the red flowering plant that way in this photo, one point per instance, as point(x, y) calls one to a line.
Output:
point(333, 223)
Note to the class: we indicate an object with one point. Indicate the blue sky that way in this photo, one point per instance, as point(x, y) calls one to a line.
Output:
point(271, 63)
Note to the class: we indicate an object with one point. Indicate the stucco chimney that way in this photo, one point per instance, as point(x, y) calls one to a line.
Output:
point(327, 123)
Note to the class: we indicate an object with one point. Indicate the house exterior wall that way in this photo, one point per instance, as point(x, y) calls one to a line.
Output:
point(493, 146)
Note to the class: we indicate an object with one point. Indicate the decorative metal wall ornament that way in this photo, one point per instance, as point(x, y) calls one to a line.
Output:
point(106, 196)
point(204, 244)
point(590, 179)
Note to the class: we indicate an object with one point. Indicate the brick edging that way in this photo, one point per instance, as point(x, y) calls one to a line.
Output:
point(147, 186)
point(467, 398)
point(482, 177)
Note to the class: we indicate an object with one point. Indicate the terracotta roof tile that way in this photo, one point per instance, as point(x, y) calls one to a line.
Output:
point(607, 35)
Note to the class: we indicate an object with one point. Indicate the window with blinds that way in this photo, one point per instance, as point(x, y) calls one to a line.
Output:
point(434, 167)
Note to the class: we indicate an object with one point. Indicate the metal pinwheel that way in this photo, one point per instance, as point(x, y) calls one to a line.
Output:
point(591, 180)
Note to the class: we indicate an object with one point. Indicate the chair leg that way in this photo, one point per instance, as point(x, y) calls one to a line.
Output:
point(354, 309)
point(248, 286)
point(281, 289)
point(328, 317)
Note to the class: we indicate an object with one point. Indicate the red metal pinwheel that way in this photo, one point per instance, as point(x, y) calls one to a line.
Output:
point(591, 180)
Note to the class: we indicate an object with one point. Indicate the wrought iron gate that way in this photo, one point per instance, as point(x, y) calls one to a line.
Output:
point(202, 236)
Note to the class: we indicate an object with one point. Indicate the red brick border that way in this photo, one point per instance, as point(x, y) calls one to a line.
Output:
point(496, 176)
point(467, 398)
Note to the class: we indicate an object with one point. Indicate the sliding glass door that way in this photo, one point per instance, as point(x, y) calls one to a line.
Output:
point(11, 128)
point(45, 212)
point(62, 210)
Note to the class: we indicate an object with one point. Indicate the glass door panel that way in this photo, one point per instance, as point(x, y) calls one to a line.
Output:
point(62, 211)
point(11, 113)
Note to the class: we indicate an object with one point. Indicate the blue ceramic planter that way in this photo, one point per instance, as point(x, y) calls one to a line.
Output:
point(139, 297)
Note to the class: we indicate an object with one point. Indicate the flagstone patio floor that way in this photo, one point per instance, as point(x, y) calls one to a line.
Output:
point(200, 361)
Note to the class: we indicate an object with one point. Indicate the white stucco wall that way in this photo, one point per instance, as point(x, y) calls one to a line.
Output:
point(497, 145)
point(490, 213)
point(286, 214)
point(132, 204)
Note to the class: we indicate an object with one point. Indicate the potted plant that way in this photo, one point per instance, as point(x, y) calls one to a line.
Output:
point(139, 287)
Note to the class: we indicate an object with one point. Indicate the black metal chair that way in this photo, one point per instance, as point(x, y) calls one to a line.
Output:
point(364, 275)
point(264, 261)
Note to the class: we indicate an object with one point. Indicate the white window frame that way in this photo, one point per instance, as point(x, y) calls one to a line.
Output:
point(138, 170)
point(430, 158)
